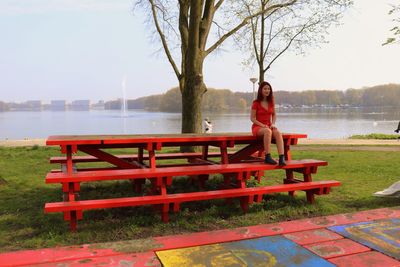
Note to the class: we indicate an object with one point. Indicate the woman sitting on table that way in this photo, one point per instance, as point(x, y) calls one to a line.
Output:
point(263, 117)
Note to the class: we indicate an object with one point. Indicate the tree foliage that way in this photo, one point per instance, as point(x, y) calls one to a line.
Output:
point(190, 30)
point(290, 28)
point(395, 14)
point(228, 101)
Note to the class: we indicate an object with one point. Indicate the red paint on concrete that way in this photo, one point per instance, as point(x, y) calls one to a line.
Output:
point(366, 259)
point(312, 236)
point(79, 253)
point(204, 238)
point(148, 259)
point(337, 248)
point(28, 257)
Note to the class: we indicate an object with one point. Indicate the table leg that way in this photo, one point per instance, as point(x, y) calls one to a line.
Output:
point(289, 180)
point(71, 189)
point(152, 159)
point(286, 148)
point(140, 155)
point(204, 152)
point(224, 153)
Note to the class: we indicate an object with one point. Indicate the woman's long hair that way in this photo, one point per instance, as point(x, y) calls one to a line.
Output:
point(270, 97)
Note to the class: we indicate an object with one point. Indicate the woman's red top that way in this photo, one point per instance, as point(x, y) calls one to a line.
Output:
point(263, 115)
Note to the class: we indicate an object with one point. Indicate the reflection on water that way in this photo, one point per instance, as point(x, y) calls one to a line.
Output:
point(317, 123)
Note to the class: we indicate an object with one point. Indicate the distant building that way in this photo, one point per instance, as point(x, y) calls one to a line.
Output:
point(99, 105)
point(34, 105)
point(80, 105)
point(58, 105)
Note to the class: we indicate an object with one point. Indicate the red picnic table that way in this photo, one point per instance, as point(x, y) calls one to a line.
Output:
point(236, 167)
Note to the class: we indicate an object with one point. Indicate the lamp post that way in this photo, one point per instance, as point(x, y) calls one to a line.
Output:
point(254, 80)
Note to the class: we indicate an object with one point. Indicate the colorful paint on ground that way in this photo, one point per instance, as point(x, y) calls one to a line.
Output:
point(259, 252)
point(380, 235)
point(311, 242)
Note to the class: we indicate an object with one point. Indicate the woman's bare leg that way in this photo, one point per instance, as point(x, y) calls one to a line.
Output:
point(279, 140)
point(266, 134)
point(279, 143)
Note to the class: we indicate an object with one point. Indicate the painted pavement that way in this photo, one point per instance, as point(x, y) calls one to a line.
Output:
point(352, 239)
point(381, 235)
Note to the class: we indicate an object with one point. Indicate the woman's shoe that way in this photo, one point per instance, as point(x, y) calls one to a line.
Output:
point(269, 160)
point(282, 161)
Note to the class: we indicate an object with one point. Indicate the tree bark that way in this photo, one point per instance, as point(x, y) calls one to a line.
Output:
point(192, 95)
point(191, 104)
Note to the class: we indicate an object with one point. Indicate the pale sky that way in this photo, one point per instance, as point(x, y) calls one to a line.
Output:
point(83, 49)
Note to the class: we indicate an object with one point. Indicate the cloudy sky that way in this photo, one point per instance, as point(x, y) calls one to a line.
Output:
point(83, 49)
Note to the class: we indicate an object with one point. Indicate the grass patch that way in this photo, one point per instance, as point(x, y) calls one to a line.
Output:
point(375, 136)
point(23, 224)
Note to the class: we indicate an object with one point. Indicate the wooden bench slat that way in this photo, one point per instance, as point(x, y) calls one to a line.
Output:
point(86, 158)
point(120, 174)
point(184, 197)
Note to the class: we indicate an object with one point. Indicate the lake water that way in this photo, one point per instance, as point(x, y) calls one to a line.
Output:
point(317, 123)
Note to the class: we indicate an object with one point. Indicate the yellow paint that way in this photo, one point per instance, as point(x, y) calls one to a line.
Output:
point(358, 232)
point(215, 255)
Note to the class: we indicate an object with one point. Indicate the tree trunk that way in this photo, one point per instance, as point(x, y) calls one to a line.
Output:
point(191, 106)
point(192, 94)
point(261, 72)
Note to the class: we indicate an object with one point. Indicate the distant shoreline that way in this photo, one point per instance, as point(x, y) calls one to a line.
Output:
point(342, 141)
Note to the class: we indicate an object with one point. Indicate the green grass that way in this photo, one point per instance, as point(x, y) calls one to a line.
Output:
point(23, 193)
point(375, 136)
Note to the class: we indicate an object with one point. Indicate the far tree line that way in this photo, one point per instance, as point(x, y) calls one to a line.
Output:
point(226, 100)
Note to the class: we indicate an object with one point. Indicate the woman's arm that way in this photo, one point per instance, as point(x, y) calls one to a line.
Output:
point(273, 119)
point(254, 120)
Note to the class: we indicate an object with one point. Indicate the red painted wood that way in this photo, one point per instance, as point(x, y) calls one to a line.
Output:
point(69, 160)
point(313, 236)
point(174, 171)
point(103, 156)
point(71, 139)
point(82, 159)
point(163, 138)
point(370, 259)
point(337, 248)
point(183, 197)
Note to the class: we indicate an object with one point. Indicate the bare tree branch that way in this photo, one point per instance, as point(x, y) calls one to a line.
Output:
point(244, 22)
point(163, 40)
point(206, 21)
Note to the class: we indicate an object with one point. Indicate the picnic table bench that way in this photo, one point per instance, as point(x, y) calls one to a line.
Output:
point(236, 167)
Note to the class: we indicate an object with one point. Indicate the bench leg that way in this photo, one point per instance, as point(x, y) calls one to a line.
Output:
point(310, 196)
point(244, 203)
point(176, 207)
point(71, 193)
point(138, 183)
point(164, 212)
point(259, 175)
point(73, 220)
point(289, 179)
point(202, 181)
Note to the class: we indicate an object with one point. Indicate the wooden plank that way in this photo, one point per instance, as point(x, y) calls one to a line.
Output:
point(174, 171)
point(86, 158)
point(182, 197)
point(162, 138)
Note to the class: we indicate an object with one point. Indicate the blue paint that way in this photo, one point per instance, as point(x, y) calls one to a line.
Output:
point(285, 251)
point(386, 231)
